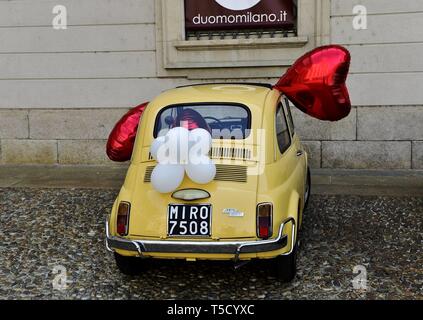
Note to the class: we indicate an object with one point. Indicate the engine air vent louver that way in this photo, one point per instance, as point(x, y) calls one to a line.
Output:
point(231, 173)
point(225, 153)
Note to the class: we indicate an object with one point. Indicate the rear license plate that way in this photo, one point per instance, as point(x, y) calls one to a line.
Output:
point(189, 220)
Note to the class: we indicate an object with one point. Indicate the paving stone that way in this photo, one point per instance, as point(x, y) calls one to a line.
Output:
point(42, 229)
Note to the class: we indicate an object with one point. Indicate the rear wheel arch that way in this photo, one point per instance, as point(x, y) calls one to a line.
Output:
point(286, 264)
point(294, 205)
point(294, 210)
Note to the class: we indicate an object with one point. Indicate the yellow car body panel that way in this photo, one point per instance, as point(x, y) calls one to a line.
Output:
point(280, 179)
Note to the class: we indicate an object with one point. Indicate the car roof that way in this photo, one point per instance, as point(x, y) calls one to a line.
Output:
point(244, 93)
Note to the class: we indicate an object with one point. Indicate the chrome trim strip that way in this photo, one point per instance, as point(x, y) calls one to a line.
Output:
point(191, 189)
point(292, 236)
point(176, 246)
point(106, 240)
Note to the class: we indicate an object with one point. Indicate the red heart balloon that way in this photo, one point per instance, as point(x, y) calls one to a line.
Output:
point(316, 83)
point(122, 138)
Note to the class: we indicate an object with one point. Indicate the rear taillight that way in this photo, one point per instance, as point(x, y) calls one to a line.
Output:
point(122, 224)
point(264, 220)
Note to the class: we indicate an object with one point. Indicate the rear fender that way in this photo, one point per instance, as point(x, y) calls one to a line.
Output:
point(293, 211)
point(112, 218)
point(125, 194)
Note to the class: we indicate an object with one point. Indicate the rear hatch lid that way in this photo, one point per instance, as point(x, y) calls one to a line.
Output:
point(233, 195)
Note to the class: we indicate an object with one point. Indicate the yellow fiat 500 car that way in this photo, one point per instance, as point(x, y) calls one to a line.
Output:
point(253, 207)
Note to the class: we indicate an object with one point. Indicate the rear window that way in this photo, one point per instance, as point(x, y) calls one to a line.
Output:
point(223, 121)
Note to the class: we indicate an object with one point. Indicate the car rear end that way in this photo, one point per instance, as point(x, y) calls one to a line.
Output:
point(224, 219)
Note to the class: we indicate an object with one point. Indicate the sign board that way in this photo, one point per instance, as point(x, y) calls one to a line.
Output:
point(212, 15)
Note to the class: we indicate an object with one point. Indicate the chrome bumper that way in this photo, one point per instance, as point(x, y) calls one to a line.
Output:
point(213, 247)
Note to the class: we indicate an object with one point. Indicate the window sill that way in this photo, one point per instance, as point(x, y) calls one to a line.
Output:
point(233, 44)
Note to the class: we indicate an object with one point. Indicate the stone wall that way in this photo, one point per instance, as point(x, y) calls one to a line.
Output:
point(65, 137)
point(61, 91)
point(369, 138)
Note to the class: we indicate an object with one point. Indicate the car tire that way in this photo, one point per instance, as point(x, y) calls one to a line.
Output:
point(130, 266)
point(286, 265)
point(307, 190)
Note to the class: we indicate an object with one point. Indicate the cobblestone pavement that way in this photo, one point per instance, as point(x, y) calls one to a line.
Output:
point(41, 229)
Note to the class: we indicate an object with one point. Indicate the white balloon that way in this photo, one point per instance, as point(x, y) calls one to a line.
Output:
point(167, 178)
point(155, 146)
point(163, 132)
point(200, 142)
point(177, 142)
point(179, 132)
point(201, 169)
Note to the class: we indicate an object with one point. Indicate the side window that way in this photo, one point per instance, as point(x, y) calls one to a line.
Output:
point(282, 131)
point(289, 114)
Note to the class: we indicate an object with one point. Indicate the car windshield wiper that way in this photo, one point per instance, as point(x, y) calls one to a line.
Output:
point(230, 118)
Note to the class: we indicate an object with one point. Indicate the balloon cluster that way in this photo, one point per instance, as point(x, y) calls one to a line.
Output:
point(180, 151)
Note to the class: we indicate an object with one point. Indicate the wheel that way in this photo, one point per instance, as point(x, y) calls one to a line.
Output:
point(130, 266)
point(307, 189)
point(286, 266)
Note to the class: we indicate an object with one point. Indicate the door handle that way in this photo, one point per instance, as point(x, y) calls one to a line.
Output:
point(300, 153)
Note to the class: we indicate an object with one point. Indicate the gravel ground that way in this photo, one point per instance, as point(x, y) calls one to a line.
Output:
point(44, 228)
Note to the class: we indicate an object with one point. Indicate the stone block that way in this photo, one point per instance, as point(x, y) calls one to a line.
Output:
point(313, 149)
point(14, 124)
point(28, 151)
point(83, 124)
point(83, 152)
point(390, 123)
point(366, 154)
point(418, 155)
point(310, 129)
